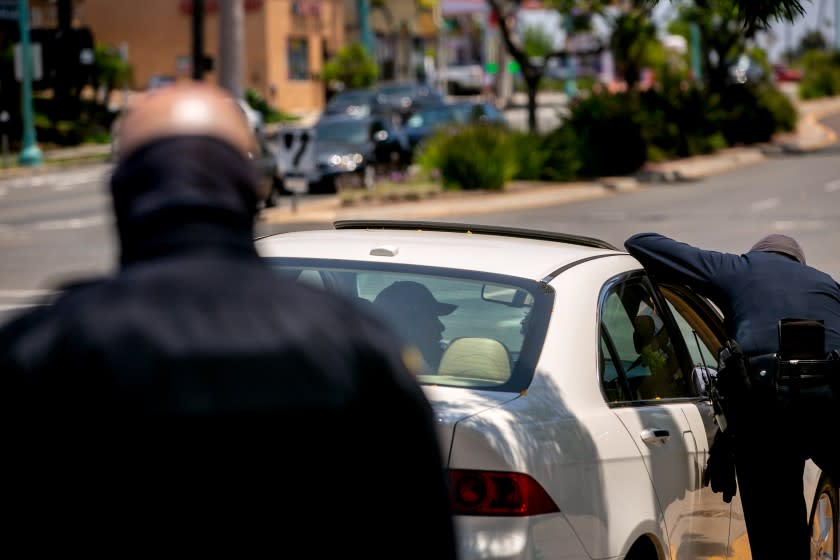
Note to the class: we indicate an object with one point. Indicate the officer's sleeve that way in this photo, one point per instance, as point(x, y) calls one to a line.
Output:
point(676, 262)
point(413, 461)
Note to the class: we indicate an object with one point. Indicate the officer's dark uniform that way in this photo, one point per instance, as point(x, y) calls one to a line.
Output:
point(198, 402)
point(755, 291)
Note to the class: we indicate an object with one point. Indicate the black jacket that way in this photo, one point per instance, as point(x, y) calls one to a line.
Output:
point(197, 401)
point(754, 291)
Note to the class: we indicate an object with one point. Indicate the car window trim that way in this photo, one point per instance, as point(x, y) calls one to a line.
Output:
point(682, 352)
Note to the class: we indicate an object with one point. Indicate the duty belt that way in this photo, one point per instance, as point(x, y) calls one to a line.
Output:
point(769, 372)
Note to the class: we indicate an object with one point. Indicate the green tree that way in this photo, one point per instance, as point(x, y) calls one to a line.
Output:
point(110, 71)
point(352, 67)
point(745, 16)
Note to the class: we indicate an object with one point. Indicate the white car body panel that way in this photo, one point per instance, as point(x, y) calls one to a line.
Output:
point(611, 484)
point(526, 258)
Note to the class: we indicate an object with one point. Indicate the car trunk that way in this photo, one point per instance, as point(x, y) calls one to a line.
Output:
point(453, 404)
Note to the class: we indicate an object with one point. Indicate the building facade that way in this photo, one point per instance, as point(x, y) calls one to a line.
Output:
point(405, 32)
point(285, 42)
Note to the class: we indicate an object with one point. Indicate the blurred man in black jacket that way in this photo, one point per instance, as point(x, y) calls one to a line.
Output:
point(196, 402)
point(755, 291)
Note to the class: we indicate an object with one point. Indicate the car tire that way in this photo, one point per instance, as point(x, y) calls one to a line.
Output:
point(824, 521)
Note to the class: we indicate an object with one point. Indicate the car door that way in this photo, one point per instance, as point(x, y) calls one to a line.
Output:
point(701, 328)
point(644, 378)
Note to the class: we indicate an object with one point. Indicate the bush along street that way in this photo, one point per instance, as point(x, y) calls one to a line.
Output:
point(608, 134)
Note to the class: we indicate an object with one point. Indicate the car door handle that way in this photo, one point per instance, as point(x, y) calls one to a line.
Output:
point(655, 435)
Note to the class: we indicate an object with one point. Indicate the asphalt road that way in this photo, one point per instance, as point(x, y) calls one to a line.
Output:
point(57, 227)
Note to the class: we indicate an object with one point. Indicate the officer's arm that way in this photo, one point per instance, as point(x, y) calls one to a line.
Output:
point(673, 261)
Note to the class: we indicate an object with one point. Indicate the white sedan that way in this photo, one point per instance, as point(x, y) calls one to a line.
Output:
point(569, 389)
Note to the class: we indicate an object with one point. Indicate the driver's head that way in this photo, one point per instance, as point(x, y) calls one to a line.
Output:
point(413, 310)
point(184, 156)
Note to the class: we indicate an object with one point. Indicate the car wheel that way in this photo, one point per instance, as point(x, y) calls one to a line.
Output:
point(824, 520)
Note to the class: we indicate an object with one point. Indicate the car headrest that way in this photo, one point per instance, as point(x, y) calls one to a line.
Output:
point(477, 358)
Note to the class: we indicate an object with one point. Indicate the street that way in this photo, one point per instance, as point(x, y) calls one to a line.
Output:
point(57, 228)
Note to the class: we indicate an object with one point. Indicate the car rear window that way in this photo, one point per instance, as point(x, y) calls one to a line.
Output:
point(460, 328)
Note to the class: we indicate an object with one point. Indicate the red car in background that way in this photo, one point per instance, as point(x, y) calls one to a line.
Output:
point(786, 74)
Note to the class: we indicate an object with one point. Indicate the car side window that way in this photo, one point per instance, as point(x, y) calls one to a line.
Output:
point(639, 360)
point(700, 337)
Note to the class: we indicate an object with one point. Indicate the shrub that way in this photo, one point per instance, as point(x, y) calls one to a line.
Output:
point(562, 155)
point(609, 133)
point(529, 153)
point(473, 157)
point(821, 74)
point(352, 67)
point(753, 113)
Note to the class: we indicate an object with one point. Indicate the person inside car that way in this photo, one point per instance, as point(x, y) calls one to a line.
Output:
point(415, 313)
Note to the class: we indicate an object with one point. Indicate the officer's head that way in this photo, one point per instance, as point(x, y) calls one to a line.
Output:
point(781, 244)
point(183, 155)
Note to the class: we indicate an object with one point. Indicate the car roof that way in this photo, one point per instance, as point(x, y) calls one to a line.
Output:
point(346, 118)
point(531, 254)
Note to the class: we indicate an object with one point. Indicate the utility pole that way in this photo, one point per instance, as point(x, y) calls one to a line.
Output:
point(198, 39)
point(571, 78)
point(696, 53)
point(365, 35)
point(30, 154)
point(231, 36)
point(837, 25)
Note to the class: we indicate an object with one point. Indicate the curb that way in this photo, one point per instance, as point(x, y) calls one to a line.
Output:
point(518, 196)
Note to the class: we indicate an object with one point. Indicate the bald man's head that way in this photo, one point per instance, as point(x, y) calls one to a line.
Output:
point(185, 109)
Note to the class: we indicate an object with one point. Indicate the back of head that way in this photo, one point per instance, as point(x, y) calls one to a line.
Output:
point(184, 109)
point(184, 155)
point(781, 244)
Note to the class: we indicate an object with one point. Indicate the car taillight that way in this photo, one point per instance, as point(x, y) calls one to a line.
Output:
point(498, 493)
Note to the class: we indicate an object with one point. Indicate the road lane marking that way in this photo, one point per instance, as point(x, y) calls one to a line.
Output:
point(72, 223)
point(832, 186)
point(766, 204)
point(799, 225)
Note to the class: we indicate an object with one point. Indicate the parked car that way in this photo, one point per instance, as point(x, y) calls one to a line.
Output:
point(402, 98)
point(570, 391)
point(350, 152)
point(479, 111)
point(463, 79)
point(425, 121)
point(353, 102)
point(784, 73)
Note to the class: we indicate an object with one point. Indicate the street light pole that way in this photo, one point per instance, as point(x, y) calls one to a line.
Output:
point(30, 154)
point(365, 36)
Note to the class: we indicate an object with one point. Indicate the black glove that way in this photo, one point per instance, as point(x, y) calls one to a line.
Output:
point(720, 468)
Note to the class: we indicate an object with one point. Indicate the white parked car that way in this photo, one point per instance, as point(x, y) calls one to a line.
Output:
point(568, 388)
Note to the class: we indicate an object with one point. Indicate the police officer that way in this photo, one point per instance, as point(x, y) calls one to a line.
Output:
point(196, 402)
point(755, 291)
